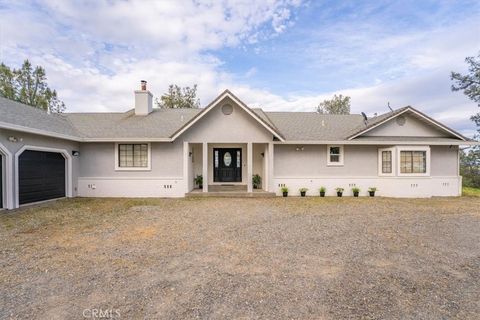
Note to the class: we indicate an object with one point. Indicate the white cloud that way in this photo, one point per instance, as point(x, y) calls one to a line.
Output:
point(96, 52)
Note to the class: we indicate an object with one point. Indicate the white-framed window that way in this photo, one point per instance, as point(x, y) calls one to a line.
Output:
point(386, 162)
point(335, 155)
point(413, 160)
point(132, 156)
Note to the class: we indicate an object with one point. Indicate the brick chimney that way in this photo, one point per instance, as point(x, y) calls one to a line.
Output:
point(143, 100)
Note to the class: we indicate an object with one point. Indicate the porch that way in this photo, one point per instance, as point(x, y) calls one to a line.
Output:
point(230, 191)
point(227, 169)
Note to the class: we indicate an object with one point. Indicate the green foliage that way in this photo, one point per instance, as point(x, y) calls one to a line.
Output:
point(198, 180)
point(303, 189)
point(471, 192)
point(470, 167)
point(256, 180)
point(284, 189)
point(323, 189)
point(339, 189)
point(470, 83)
point(28, 85)
point(355, 189)
point(177, 98)
point(337, 105)
point(372, 189)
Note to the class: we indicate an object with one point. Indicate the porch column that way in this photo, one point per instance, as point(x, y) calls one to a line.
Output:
point(271, 187)
point(186, 159)
point(249, 167)
point(205, 166)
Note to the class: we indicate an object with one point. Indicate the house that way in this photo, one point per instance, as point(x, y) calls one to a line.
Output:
point(148, 152)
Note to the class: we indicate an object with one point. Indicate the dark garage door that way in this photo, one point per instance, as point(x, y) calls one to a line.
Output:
point(41, 176)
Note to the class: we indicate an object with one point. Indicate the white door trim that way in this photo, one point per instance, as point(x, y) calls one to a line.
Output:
point(68, 169)
point(7, 179)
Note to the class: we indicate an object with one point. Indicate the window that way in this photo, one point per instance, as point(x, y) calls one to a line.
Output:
point(335, 155)
point(133, 156)
point(413, 162)
point(386, 162)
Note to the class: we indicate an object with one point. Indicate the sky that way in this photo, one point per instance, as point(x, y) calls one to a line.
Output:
point(285, 55)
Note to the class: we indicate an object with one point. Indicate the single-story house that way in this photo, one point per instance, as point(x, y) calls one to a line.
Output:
point(149, 152)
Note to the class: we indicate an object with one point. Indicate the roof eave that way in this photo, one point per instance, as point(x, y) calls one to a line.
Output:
point(15, 127)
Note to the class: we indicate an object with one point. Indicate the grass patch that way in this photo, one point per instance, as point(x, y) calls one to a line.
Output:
point(471, 192)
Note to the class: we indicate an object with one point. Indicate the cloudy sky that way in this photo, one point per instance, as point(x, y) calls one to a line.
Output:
point(278, 55)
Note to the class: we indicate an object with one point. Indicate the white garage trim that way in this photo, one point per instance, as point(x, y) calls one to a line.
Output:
point(7, 181)
point(68, 169)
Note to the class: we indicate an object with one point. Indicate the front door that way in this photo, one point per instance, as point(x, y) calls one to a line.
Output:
point(227, 165)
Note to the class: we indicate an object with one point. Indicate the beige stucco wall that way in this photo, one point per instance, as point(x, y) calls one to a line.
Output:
point(444, 161)
point(98, 160)
point(359, 160)
point(412, 128)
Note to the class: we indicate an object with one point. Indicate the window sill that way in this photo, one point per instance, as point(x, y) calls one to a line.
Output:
point(133, 169)
point(414, 175)
point(334, 164)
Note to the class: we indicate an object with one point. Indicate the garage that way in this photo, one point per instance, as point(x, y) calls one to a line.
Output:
point(41, 176)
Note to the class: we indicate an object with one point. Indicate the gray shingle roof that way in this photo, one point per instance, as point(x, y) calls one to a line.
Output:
point(19, 114)
point(163, 123)
point(300, 126)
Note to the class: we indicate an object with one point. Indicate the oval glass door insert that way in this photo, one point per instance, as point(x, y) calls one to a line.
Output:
point(227, 159)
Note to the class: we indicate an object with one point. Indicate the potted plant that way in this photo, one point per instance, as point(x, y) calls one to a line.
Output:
point(355, 191)
point(322, 191)
point(256, 181)
point(199, 181)
point(303, 191)
point(371, 191)
point(339, 191)
point(284, 191)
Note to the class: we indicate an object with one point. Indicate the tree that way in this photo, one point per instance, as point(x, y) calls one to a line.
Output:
point(470, 167)
point(177, 98)
point(28, 85)
point(337, 105)
point(470, 85)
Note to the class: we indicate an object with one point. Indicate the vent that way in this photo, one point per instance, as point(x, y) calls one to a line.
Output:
point(227, 109)
point(401, 120)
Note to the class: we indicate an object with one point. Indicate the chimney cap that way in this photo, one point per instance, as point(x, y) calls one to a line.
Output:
point(143, 85)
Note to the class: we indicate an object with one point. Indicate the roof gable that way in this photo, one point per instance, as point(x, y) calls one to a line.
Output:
point(395, 124)
point(228, 95)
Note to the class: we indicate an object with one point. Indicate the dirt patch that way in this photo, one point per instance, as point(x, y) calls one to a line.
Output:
point(210, 258)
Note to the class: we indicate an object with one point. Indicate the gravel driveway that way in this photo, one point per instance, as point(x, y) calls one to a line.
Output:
point(294, 258)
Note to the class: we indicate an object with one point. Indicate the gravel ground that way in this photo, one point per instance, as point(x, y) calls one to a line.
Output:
point(294, 258)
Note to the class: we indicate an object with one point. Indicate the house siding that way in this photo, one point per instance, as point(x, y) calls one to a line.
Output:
point(359, 160)
point(308, 169)
point(98, 177)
